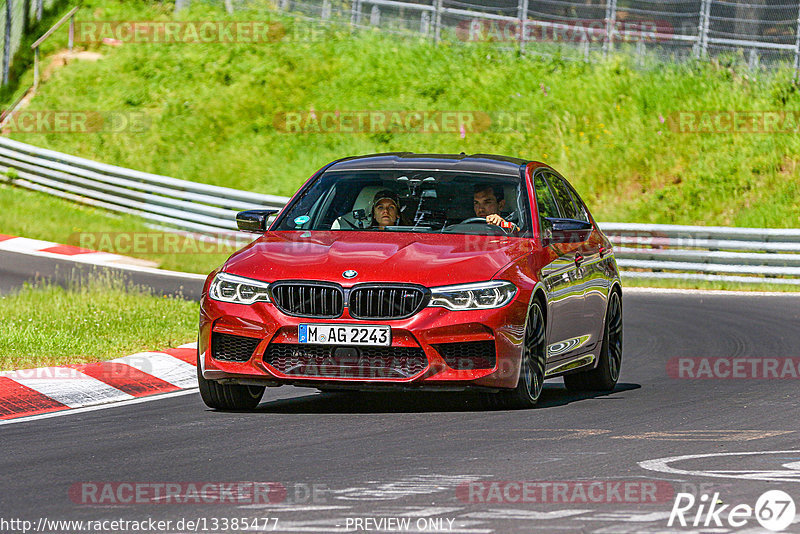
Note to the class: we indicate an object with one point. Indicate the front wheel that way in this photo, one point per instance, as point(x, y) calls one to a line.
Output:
point(227, 396)
point(603, 377)
point(531, 372)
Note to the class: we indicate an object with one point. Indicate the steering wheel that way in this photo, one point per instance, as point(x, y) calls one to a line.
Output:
point(482, 220)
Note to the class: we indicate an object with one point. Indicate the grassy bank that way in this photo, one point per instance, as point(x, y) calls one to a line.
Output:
point(95, 320)
point(212, 110)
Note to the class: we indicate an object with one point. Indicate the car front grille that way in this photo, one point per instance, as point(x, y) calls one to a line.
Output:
point(468, 355)
point(230, 348)
point(345, 362)
point(386, 302)
point(309, 299)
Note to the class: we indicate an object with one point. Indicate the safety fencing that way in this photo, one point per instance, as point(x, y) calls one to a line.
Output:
point(160, 200)
point(654, 251)
point(752, 30)
point(16, 17)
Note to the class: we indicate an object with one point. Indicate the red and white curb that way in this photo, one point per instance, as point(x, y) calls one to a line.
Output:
point(55, 250)
point(43, 390)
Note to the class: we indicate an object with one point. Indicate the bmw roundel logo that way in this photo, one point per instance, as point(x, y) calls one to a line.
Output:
point(350, 273)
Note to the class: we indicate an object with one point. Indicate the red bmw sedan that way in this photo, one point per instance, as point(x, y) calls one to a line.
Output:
point(413, 271)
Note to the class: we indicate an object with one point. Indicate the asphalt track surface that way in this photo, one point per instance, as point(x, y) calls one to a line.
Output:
point(414, 456)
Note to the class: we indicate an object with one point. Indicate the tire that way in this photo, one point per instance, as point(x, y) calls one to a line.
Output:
point(603, 377)
point(531, 372)
point(227, 396)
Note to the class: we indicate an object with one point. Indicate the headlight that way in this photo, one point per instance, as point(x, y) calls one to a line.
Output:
point(478, 296)
point(238, 289)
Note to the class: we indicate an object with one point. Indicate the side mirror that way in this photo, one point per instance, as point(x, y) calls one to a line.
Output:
point(565, 231)
point(254, 221)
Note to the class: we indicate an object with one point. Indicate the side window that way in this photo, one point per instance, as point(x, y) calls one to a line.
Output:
point(563, 197)
point(583, 212)
point(544, 198)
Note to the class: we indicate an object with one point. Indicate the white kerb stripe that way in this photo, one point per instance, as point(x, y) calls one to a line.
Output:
point(192, 345)
point(160, 365)
point(71, 387)
point(24, 244)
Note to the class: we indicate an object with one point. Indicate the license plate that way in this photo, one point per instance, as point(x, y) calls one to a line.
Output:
point(341, 334)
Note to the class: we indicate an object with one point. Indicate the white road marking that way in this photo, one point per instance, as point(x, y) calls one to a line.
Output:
point(405, 487)
point(25, 244)
point(662, 465)
point(123, 266)
point(163, 366)
point(515, 513)
point(292, 507)
point(631, 516)
point(85, 409)
point(71, 387)
point(707, 435)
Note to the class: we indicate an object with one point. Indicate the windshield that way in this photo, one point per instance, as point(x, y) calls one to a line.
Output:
point(411, 201)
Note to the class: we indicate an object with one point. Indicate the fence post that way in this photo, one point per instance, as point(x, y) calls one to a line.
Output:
point(702, 29)
point(326, 10)
point(7, 42)
point(425, 23)
point(375, 16)
point(36, 67)
point(585, 47)
point(437, 21)
point(797, 49)
point(180, 4)
point(229, 6)
point(71, 40)
point(611, 21)
point(355, 13)
point(39, 9)
point(522, 15)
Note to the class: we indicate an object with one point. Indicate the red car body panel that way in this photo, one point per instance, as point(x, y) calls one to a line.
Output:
point(426, 259)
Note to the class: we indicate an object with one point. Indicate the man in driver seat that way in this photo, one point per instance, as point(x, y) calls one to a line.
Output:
point(489, 203)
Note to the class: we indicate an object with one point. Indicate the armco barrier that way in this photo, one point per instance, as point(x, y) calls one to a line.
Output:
point(162, 200)
point(642, 250)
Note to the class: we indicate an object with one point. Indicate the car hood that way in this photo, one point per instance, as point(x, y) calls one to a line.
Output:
point(426, 259)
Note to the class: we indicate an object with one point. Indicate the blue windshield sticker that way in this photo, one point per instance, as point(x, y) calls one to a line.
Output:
point(300, 221)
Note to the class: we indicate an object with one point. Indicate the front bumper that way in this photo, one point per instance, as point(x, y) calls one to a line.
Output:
point(424, 333)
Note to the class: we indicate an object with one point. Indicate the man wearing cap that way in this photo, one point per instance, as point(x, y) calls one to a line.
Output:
point(488, 203)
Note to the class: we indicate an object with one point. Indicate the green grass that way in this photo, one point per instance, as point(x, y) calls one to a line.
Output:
point(711, 285)
point(97, 319)
point(212, 109)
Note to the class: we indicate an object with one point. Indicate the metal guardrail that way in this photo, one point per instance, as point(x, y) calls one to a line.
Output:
point(655, 251)
point(715, 253)
point(189, 206)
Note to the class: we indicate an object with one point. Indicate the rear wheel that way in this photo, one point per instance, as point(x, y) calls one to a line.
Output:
point(227, 396)
point(531, 372)
point(603, 377)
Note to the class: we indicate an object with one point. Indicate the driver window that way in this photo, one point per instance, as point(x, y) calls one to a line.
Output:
point(544, 198)
point(563, 198)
